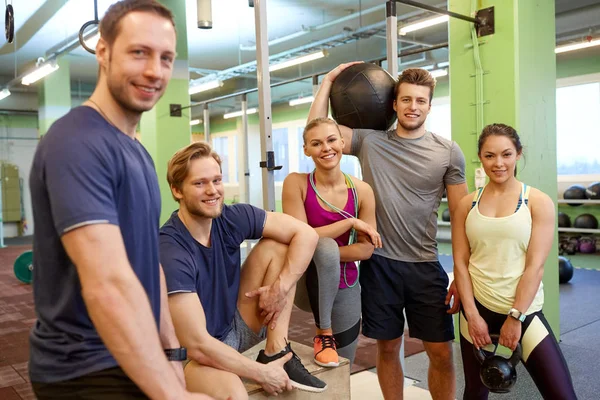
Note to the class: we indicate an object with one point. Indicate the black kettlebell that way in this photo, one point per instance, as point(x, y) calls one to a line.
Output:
point(497, 373)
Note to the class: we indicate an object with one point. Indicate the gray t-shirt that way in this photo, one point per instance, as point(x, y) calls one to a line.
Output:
point(408, 177)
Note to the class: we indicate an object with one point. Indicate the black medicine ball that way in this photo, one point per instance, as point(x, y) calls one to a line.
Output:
point(575, 192)
point(563, 220)
point(565, 269)
point(593, 191)
point(362, 97)
point(585, 221)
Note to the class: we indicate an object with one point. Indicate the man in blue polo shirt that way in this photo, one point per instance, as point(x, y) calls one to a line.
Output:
point(103, 320)
point(219, 309)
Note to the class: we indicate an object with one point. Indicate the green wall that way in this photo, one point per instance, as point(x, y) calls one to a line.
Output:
point(19, 121)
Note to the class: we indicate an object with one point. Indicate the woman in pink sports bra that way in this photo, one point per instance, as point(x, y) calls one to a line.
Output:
point(341, 208)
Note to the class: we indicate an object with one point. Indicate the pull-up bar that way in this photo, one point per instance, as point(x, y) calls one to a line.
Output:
point(484, 18)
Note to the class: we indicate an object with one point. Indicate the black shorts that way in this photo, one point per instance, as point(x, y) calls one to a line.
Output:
point(107, 384)
point(389, 287)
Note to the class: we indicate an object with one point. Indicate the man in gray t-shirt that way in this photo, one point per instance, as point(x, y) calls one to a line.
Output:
point(408, 169)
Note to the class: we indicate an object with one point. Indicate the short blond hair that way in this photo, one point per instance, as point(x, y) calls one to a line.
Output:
point(179, 164)
point(317, 122)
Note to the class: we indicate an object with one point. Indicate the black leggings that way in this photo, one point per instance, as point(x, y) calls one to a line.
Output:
point(544, 362)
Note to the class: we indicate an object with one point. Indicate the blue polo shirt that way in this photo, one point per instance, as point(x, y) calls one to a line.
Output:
point(211, 272)
point(85, 171)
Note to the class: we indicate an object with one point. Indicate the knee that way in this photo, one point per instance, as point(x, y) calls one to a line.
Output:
point(327, 252)
point(269, 249)
point(232, 389)
point(389, 348)
point(237, 392)
point(440, 355)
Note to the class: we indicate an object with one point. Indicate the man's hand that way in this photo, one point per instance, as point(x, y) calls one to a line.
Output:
point(272, 300)
point(334, 73)
point(274, 379)
point(453, 292)
point(510, 333)
point(369, 231)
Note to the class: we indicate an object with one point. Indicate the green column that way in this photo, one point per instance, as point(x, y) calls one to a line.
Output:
point(518, 89)
point(161, 133)
point(54, 96)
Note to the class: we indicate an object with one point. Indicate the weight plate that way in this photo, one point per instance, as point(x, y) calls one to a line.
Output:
point(9, 23)
point(24, 267)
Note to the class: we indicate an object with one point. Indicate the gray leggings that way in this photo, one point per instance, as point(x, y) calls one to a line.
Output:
point(318, 292)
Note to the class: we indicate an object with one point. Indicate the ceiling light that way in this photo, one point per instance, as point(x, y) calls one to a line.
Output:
point(301, 100)
point(205, 86)
point(298, 60)
point(39, 73)
point(195, 122)
point(577, 46)
point(443, 64)
point(4, 93)
point(239, 113)
point(436, 73)
point(422, 24)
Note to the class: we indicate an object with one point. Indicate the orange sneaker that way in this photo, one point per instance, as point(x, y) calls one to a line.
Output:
point(325, 351)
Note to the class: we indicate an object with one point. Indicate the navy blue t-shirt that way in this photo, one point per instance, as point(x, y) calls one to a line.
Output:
point(85, 171)
point(211, 272)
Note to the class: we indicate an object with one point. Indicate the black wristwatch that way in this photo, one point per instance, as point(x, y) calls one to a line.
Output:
point(179, 354)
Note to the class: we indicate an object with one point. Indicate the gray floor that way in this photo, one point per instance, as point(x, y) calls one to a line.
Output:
point(580, 327)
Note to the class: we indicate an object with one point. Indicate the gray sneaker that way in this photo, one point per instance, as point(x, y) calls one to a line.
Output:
point(299, 377)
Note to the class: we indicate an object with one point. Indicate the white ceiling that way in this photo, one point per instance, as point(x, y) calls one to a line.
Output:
point(42, 25)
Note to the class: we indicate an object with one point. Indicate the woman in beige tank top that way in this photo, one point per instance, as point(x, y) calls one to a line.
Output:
point(501, 237)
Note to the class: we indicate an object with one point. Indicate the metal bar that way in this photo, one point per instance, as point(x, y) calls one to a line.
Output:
point(301, 78)
point(315, 84)
point(392, 38)
point(439, 11)
point(206, 117)
point(244, 153)
point(264, 102)
point(411, 52)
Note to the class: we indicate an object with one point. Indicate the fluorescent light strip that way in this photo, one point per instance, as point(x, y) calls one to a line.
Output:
point(577, 46)
point(423, 24)
point(39, 73)
point(205, 86)
point(195, 122)
point(302, 100)
point(436, 73)
point(239, 113)
point(4, 93)
point(298, 60)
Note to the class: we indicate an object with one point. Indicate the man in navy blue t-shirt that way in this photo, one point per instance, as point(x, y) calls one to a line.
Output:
point(219, 309)
point(100, 297)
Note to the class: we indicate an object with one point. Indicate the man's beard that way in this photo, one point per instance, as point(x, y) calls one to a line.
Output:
point(197, 211)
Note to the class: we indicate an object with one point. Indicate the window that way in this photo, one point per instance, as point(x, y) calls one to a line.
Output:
point(577, 128)
point(351, 166)
point(305, 164)
point(219, 145)
point(438, 120)
point(280, 147)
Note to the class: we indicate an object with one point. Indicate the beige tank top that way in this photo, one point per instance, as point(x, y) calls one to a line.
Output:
point(498, 253)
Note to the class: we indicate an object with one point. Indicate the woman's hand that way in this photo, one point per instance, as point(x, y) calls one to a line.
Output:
point(372, 234)
point(478, 330)
point(510, 334)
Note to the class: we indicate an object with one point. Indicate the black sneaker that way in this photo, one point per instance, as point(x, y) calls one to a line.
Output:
point(300, 378)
